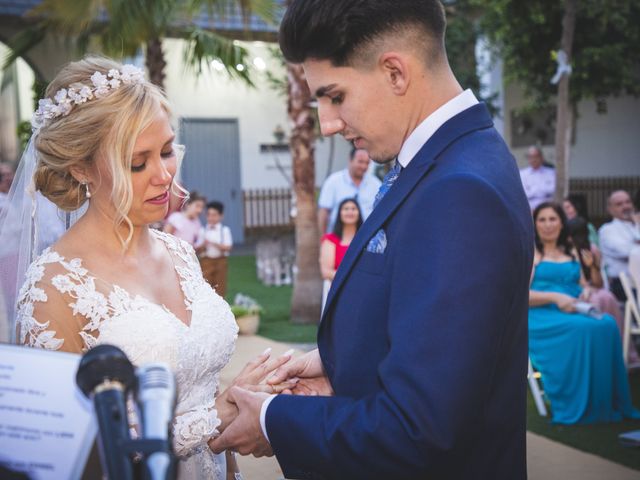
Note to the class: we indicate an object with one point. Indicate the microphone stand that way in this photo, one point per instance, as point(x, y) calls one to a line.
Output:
point(106, 375)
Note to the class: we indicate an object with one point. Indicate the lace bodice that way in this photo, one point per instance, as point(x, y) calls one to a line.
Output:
point(145, 331)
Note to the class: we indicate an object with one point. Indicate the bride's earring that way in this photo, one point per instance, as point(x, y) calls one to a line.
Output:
point(87, 193)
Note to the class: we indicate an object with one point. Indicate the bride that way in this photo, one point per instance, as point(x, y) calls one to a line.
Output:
point(102, 137)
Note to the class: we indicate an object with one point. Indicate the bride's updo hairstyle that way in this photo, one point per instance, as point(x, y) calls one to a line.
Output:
point(104, 126)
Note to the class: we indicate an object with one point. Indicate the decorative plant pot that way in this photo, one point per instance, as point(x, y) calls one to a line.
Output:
point(248, 324)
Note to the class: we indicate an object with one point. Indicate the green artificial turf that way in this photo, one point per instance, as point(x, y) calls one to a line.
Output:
point(599, 439)
point(275, 301)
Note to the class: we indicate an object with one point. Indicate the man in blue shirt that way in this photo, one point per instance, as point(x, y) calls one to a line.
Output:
point(352, 182)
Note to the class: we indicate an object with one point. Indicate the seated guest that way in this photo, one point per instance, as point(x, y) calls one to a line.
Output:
point(575, 206)
point(578, 355)
point(618, 238)
point(538, 179)
point(334, 245)
point(215, 249)
point(593, 292)
point(185, 224)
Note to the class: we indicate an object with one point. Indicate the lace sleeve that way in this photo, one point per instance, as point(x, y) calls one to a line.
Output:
point(44, 318)
point(193, 429)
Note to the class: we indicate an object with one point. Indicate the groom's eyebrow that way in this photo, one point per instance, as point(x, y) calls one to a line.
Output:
point(322, 91)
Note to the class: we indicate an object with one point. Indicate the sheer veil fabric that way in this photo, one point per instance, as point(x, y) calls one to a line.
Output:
point(28, 224)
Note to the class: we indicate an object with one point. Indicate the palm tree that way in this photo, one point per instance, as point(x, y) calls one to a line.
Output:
point(123, 28)
point(307, 289)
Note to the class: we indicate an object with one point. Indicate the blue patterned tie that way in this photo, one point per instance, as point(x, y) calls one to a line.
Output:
point(378, 243)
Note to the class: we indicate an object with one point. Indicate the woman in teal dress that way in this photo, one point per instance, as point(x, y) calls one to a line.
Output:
point(578, 356)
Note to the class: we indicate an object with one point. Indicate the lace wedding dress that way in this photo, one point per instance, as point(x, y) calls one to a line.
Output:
point(146, 332)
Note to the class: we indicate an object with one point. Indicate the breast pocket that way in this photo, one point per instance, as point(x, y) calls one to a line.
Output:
point(372, 263)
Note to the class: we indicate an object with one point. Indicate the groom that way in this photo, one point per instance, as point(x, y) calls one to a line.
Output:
point(422, 359)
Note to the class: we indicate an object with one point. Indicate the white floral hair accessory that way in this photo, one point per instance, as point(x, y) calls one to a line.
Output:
point(65, 98)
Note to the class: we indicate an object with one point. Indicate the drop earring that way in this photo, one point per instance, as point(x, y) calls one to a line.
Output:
point(87, 193)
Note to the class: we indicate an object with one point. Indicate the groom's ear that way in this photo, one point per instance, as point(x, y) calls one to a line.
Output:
point(395, 67)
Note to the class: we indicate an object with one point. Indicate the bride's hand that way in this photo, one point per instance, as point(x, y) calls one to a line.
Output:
point(308, 373)
point(258, 369)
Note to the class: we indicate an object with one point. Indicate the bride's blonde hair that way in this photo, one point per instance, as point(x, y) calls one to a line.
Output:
point(101, 127)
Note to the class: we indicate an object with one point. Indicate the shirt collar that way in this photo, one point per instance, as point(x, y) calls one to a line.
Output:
point(433, 122)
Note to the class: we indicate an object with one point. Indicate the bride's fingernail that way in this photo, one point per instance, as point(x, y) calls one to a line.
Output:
point(267, 351)
point(288, 352)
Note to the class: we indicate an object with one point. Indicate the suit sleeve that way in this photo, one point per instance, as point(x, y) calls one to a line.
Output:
point(455, 262)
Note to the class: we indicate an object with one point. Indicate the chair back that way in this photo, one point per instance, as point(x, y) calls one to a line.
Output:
point(631, 314)
point(634, 270)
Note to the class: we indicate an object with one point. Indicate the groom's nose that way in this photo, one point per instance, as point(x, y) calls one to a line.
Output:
point(330, 123)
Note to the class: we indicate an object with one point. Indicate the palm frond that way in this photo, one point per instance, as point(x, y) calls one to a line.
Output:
point(23, 42)
point(267, 10)
point(68, 18)
point(203, 47)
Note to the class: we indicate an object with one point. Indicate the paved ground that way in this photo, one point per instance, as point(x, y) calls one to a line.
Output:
point(547, 460)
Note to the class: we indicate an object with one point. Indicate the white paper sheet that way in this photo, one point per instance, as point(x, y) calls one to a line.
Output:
point(46, 424)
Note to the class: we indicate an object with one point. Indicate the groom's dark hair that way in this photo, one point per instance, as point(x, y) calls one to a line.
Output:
point(341, 30)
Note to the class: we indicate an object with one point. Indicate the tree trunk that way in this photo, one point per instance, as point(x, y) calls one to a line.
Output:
point(564, 111)
point(155, 62)
point(307, 288)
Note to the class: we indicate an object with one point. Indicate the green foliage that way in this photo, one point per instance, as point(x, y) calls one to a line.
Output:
point(277, 83)
point(24, 134)
point(125, 27)
point(461, 37)
point(203, 46)
point(606, 47)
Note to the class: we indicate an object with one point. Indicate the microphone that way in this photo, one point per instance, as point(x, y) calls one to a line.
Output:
point(156, 397)
point(106, 374)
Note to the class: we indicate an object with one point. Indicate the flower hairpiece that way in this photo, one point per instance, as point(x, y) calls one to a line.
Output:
point(65, 98)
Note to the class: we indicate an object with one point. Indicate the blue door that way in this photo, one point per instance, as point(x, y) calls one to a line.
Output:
point(212, 165)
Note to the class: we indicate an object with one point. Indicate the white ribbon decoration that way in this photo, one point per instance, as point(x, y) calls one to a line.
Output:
point(563, 67)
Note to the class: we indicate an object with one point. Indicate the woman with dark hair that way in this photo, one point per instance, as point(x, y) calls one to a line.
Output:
point(334, 245)
point(575, 206)
point(577, 350)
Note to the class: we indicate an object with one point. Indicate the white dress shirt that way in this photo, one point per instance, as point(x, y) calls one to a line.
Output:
point(539, 184)
point(414, 142)
point(617, 239)
point(425, 130)
point(217, 233)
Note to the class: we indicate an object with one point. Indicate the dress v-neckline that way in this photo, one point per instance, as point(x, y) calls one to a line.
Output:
point(113, 286)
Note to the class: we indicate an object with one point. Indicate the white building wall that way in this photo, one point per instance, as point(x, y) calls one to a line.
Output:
point(258, 111)
point(606, 145)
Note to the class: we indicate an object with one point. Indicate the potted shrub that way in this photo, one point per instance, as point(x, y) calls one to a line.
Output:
point(247, 313)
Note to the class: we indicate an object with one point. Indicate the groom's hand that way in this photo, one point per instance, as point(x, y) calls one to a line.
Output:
point(244, 435)
point(310, 375)
point(251, 378)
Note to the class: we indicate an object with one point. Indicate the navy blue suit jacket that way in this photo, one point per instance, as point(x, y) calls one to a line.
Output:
point(425, 345)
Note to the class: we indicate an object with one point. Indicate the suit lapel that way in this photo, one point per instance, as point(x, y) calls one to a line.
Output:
point(474, 118)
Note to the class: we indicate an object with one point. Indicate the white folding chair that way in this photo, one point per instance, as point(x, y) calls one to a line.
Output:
point(536, 391)
point(631, 314)
point(634, 269)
